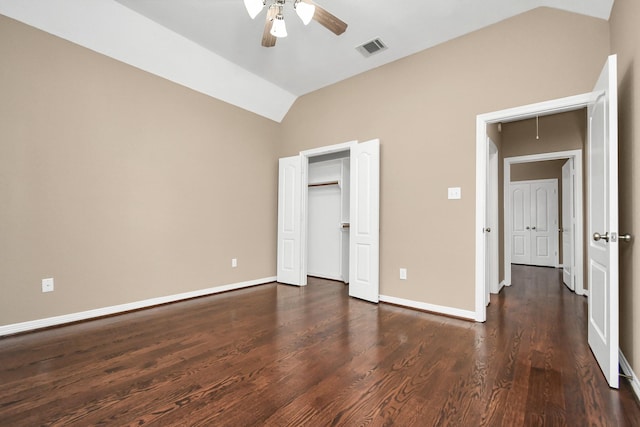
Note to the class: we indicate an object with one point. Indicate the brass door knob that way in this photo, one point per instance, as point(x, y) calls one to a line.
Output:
point(597, 237)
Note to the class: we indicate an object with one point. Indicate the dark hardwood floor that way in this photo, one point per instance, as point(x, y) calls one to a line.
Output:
point(278, 355)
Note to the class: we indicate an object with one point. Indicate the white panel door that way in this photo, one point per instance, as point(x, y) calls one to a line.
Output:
point(544, 223)
point(364, 246)
point(289, 221)
point(520, 200)
point(602, 176)
point(534, 222)
point(568, 225)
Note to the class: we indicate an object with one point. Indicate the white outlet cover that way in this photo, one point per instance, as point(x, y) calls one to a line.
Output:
point(455, 193)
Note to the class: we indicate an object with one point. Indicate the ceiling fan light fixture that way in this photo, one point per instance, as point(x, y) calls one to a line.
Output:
point(279, 29)
point(254, 7)
point(305, 11)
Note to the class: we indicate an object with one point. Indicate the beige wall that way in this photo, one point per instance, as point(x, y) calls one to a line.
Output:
point(550, 169)
point(423, 109)
point(121, 185)
point(625, 42)
point(557, 132)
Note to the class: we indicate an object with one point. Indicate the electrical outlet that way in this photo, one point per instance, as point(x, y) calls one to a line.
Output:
point(403, 274)
point(47, 285)
point(234, 262)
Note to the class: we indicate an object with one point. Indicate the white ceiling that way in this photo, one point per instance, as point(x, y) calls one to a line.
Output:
point(219, 38)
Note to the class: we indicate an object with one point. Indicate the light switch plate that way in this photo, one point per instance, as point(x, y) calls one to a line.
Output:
point(403, 274)
point(455, 193)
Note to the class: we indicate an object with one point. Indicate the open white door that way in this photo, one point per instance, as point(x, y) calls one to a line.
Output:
point(364, 241)
point(491, 230)
point(289, 221)
point(520, 201)
point(602, 176)
point(568, 225)
point(544, 223)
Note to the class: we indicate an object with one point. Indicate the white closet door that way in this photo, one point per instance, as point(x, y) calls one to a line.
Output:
point(544, 223)
point(567, 225)
point(289, 269)
point(520, 216)
point(364, 241)
point(534, 222)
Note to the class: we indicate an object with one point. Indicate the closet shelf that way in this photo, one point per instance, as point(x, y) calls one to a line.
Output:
point(323, 184)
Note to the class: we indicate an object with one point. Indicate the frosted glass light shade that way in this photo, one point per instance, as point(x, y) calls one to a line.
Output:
point(253, 7)
point(278, 29)
point(305, 11)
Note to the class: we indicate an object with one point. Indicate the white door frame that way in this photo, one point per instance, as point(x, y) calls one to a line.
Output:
point(493, 262)
point(568, 212)
point(482, 120)
point(305, 156)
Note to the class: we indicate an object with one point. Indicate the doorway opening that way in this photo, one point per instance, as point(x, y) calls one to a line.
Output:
point(573, 239)
point(483, 257)
point(328, 193)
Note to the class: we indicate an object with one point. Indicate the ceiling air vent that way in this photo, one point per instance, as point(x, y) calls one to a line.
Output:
point(370, 48)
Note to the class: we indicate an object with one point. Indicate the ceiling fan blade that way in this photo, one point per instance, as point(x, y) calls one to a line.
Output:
point(328, 20)
point(268, 39)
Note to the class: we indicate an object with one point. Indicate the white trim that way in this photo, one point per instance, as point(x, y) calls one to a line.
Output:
point(626, 369)
point(576, 155)
point(15, 328)
point(585, 292)
point(518, 113)
point(439, 309)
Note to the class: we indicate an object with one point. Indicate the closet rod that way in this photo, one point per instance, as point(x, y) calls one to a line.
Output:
point(321, 184)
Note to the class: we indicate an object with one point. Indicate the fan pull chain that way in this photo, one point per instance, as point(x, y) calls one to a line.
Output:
point(537, 133)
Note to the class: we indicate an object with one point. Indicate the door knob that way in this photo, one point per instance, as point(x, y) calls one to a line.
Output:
point(625, 237)
point(488, 229)
point(527, 228)
point(597, 237)
point(533, 228)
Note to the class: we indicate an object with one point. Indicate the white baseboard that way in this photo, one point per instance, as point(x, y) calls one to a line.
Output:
point(440, 309)
point(15, 328)
point(626, 369)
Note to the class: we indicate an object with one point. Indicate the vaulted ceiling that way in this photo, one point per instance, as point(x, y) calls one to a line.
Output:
point(213, 46)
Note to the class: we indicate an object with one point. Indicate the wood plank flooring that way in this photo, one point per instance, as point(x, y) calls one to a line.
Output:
point(277, 355)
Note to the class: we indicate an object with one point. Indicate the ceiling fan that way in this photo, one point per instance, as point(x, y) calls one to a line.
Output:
point(274, 26)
